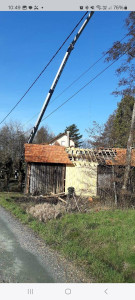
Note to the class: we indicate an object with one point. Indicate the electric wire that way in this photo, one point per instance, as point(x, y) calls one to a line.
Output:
point(43, 69)
point(84, 86)
point(80, 76)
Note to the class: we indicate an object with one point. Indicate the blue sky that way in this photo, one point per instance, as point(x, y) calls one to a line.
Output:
point(27, 42)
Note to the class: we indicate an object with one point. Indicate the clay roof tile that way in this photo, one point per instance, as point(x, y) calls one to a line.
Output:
point(46, 154)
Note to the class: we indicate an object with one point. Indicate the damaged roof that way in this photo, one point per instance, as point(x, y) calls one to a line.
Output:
point(120, 158)
point(108, 156)
point(46, 154)
point(42, 153)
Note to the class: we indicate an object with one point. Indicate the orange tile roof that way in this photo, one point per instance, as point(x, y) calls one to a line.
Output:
point(57, 154)
point(46, 154)
point(120, 158)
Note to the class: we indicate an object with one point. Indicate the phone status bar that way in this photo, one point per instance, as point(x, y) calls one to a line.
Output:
point(79, 8)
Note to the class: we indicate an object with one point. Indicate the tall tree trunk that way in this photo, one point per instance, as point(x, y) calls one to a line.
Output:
point(114, 186)
point(129, 152)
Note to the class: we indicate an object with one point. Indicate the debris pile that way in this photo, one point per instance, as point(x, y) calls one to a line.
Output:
point(46, 211)
point(54, 206)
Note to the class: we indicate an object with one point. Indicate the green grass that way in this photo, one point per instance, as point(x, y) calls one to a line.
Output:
point(102, 243)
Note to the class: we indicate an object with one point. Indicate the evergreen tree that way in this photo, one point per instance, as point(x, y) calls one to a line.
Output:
point(74, 134)
point(115, 132)
point(126, 69)
point(122, 121)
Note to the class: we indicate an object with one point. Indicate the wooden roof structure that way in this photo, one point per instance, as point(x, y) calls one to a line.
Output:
point(42, 153)
point(107, 156)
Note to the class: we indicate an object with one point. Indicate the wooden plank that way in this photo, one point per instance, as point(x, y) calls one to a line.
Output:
point(46, 178)
point(27, 179)
point(59, 198)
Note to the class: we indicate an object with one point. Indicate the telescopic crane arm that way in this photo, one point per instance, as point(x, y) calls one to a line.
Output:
point(49, 95)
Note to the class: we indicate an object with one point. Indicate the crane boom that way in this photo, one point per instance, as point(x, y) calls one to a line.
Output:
point(55, 81)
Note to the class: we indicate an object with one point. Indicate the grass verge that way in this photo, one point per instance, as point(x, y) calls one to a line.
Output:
point(102, 243)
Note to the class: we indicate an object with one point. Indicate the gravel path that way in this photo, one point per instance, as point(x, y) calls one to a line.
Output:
point(24, 257)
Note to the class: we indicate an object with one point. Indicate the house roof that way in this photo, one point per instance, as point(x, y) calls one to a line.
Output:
point(57, 137)
point(108, 156)
point(120, 158)
point(46, 154)
point(59, 154)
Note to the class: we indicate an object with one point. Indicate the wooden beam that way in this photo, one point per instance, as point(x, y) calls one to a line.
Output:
point(59, 198)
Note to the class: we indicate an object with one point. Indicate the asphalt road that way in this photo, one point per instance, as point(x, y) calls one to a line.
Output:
point(24, 257)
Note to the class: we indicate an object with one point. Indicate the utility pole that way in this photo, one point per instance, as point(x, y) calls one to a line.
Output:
point(63, 63)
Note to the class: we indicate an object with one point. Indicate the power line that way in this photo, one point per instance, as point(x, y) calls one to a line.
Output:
point(87, 70)
point(44, 68)
point(80, 76)
point(85, 85)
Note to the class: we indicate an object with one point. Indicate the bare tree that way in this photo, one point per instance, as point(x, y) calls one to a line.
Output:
point(126, 83)
point(43, 135)
point(12, 139)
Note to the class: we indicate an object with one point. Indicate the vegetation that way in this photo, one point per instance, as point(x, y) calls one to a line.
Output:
point(120, 132)
point(116, 130)
point(43, 135)
point(12, 140)
point(74, 134)
point(126, 72)
point(122, 120)
point(102, 242)
point(126, 85)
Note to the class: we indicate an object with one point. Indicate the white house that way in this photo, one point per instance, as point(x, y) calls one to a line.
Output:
point(63, 139)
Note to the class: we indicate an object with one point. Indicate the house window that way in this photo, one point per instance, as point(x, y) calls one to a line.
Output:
point(62, 143)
